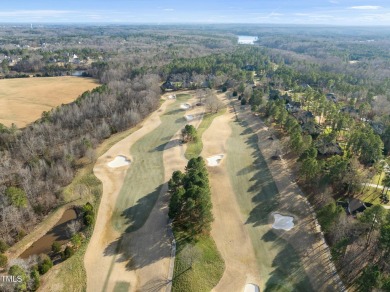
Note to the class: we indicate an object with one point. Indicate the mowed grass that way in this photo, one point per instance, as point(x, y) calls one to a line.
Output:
point(257, 195)
point(22, 100)
point(198, 265)
point(145, 176)
point(195, 148)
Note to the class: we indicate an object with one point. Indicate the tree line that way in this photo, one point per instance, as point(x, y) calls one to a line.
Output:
point(36, 162)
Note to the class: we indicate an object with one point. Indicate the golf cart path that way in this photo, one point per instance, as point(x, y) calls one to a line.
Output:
point(97, 264)
point(228, 229)
point(306, 237)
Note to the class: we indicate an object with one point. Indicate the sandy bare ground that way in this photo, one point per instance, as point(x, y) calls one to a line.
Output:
point(228, 229)
point(96, 263)
point(305, 237)
point(149, 247)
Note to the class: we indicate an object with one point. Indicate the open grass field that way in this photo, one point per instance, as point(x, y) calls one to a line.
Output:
point(22, 100)
point(257, 195)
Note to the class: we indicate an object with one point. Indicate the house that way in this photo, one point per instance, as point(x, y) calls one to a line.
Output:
point(311, 128)
point(356, 206)
point(304, 116)
point(293, 107)
point(331, 97)
point(168, 85)
point(329, 149)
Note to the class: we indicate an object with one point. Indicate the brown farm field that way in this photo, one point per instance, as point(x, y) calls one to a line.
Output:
point(22, 100)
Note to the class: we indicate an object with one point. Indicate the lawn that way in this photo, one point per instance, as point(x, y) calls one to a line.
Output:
point(257, 195)
point(198, 265)
point(195, 148)
point(372, 195)
point(22, 100)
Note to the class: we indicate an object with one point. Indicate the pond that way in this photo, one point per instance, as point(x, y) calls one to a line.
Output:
point(246, 39)
point(57, 233)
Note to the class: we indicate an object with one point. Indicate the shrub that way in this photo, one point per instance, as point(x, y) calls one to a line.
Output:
point(21, 234)
point(3, 246)
point(19, 272)
point(16, 196)
point(35, 279)
point(76, 240)
point(68, 252)
point(88, 220)
point(45, 264)
point(87, 207)
point(3, 261)
point(56, 247)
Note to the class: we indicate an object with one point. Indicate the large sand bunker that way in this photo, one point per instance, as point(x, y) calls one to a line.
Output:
point(119, 161)
point(283, 222)
point(185, 106)
point(214, 160)
point(189, 117)
point(251, 288)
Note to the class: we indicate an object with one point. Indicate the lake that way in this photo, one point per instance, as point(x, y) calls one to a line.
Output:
point(246, 39)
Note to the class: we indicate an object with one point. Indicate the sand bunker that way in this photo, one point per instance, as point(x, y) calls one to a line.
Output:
point(119, 161)
point(283, 222)
point(214, 160)
point(185, 106)
point(251, 288)
point(189, 117)
point(172, 96)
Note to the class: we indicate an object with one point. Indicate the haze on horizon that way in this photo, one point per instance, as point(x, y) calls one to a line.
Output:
point(321, 12)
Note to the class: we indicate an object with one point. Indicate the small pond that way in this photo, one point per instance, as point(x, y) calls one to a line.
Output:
point(57, 233)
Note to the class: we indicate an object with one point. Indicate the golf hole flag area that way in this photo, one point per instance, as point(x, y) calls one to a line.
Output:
point(283, 222)
point(119, 161)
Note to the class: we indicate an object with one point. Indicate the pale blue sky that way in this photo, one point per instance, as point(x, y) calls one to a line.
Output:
point(337, 12)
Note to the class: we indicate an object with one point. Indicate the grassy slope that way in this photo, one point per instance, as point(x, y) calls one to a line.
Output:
point(198, 266)
point(257, 196)
point(195, 148)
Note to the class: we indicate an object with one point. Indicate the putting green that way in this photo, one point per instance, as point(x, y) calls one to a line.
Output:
point(145, 176)
point(280, 267)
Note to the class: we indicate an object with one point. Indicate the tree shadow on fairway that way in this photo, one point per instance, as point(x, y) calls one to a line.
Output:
point(137, 246)
point(264, 193)
point(174, 112)
point(289, 274)
point(166, 145)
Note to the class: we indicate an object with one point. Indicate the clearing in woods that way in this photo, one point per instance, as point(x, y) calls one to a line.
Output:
point(22, 100)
